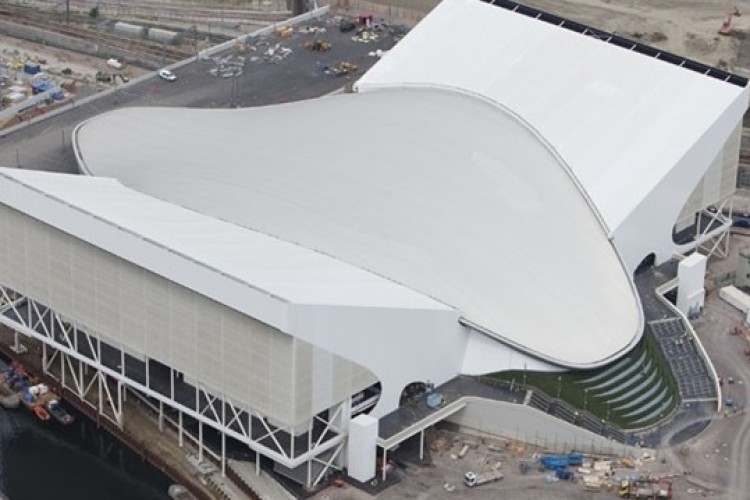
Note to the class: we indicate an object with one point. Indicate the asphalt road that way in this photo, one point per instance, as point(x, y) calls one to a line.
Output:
point(45, 145)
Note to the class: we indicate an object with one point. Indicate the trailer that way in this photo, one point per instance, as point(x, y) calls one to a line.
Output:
point(661, 489)
point(472, 479)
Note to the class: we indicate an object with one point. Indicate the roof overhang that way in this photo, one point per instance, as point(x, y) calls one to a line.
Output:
point(443, 192)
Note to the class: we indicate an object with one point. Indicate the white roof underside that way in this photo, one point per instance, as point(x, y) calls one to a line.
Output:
point(621, 120)
point(286, 271)
point(444, 193)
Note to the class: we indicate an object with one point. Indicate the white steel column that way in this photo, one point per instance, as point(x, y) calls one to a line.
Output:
point(200, 441)
point(179, 431)
point(119, 404)
point(223, 438)
point(309, 446)
point(100, 395)
point(385, 461)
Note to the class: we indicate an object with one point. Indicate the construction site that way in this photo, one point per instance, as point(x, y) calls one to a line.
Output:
point(661, 415)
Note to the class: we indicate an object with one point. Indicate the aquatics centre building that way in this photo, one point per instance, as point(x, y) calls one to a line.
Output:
point(480, 202)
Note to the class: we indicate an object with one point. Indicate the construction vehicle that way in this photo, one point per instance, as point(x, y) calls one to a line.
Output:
point(103, 77)
point(472, 479)
point(317, 45)
point(726, 27)
point(343, 68)
point(661, 489)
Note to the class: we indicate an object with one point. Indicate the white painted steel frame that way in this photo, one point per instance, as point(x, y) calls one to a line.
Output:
point(74, 370)
point(716, 241)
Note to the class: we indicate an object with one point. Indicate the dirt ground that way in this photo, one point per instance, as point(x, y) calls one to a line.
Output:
point(686, 27)
point(83, 66)
point(442, 480)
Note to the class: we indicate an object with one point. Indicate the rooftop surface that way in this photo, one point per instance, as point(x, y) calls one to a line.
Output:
point(410, 184)
point(599, 105)
point(138, 227)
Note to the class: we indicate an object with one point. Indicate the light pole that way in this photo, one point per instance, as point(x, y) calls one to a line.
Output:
point(559, 381)
point(585, 398)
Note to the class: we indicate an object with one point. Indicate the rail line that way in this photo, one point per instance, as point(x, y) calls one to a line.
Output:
point(137, 48)
point(169, 11)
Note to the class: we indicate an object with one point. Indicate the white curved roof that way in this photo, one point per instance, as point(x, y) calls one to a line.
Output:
point(228, 263)
point(442, 192)
point(622, 120)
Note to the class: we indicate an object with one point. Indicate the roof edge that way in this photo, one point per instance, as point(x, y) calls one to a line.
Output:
point(621, 41)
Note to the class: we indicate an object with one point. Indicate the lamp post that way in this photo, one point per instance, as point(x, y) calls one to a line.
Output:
point(585, 398)
point(559, 381)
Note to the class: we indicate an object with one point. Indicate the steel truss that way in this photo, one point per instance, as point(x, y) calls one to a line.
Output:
point(103, 384)
point(712, 240)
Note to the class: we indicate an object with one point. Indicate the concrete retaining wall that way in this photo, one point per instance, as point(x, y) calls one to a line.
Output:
point(529, 425)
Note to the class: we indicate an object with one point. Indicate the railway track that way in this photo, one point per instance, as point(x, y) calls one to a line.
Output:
point(178, 11)
point(136, 48)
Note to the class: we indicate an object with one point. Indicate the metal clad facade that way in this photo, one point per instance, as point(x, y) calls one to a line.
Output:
point(231, 353)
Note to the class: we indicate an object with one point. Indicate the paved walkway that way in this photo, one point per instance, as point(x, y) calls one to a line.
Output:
point(265, 485)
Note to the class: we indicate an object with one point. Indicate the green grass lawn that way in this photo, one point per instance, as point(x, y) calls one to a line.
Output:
point(569, 386)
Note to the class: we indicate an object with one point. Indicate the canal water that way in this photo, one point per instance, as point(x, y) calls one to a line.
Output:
point(44, 460)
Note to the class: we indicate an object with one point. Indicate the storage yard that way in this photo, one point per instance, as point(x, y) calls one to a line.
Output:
point(49, 58)
point(523, 471)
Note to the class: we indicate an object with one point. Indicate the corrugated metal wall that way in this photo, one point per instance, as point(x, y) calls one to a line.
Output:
point(285, 379)
point(720, 179)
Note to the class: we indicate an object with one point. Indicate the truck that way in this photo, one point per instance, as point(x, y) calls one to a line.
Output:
point(661, 489)
point(472, 479)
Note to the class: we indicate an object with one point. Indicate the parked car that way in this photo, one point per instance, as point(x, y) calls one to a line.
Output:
point(167, 75)
point(114, 63)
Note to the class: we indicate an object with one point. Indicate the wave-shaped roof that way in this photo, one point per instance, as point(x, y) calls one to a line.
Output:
point(440, 191)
